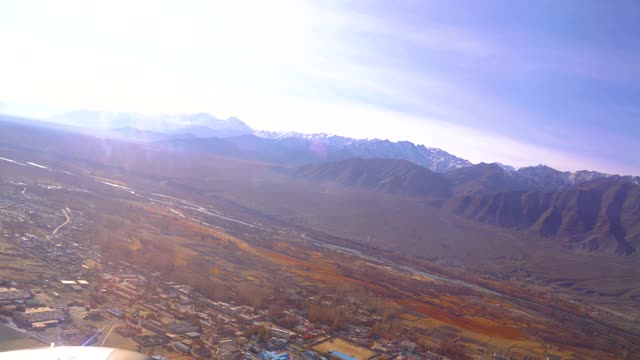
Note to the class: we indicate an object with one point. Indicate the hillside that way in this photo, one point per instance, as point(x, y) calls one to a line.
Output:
point(598, 216)
point(301, 150)
point(250, 147)
point(484, 179)
point(601, 216)
point(493, 178)
point(545, 178)
point(384, 175)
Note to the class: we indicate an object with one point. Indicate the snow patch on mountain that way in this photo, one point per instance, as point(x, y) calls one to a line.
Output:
point(506, 167)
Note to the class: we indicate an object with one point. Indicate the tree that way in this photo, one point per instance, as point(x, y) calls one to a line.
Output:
point(275, 311)
point(338, 323)
point(264, 334)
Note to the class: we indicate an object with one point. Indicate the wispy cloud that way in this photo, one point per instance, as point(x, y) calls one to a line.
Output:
point(477, 84)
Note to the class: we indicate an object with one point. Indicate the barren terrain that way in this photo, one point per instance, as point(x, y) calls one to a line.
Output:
point(240, 230)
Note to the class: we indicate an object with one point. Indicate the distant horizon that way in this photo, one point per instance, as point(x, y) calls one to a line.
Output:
point(284, 131)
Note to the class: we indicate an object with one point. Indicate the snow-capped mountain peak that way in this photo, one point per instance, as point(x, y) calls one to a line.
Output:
point(205, 125)
point(432, 158)
point(506, 167)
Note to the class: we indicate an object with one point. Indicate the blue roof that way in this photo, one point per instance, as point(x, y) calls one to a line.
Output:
point(310, 355)
point(342, 356)
point(116, 311)
point(272, 355)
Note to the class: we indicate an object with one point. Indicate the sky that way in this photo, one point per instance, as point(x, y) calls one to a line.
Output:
point(521, 83)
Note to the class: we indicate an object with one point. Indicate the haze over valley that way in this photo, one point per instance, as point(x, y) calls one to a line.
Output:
point(547, 244)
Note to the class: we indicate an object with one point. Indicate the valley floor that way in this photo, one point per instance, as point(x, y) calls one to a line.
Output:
point(284, 267)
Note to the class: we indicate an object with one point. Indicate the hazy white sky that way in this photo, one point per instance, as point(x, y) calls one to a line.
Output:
point(361, 69)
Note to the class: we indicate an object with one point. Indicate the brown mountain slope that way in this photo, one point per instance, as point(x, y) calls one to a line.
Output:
point(384, 175)
point(601, 216)
point(483, 179)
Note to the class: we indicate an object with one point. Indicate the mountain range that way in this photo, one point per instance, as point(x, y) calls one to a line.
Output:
point(160, 126)
point(597, 216)
point(431, 158)
point(204, 132)
point(232, 137)
point(384, 175)
point(584, 210)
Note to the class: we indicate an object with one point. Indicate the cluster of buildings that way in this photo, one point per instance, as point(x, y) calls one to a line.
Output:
point(165, 318)
point(170, 319)
point(26, 311)
point(40, 317)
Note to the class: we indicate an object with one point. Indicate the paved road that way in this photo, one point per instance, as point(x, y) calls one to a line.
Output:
point(24, 193)
point(9, 333)
point(107, 336)
point(64, 223)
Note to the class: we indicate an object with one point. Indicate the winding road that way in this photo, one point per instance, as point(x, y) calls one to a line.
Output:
point(64, 211)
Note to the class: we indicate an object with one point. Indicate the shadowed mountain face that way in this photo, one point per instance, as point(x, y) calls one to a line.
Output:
point(600, 216)
point(491, 178)
point(484, 178)
point(384, 175)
